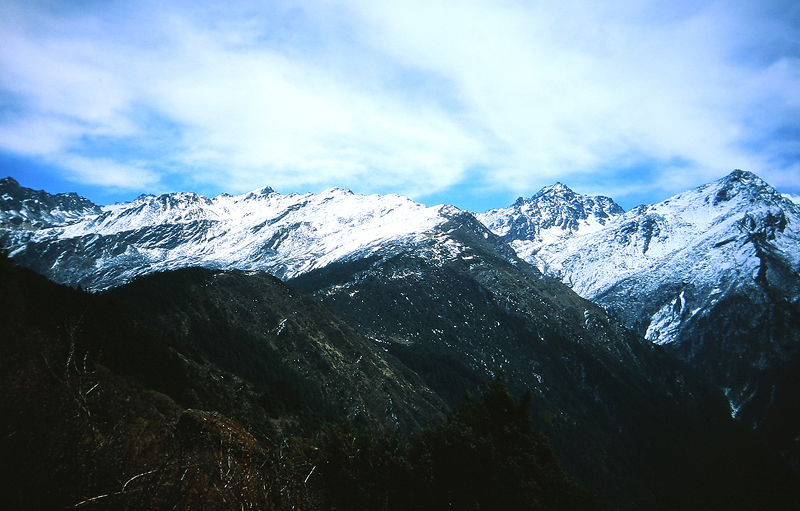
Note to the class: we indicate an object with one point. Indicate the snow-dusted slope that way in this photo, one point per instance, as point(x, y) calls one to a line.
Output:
point(262, 230)
point(554, 214)
point(713, 275)
point(700, 245)
point(25, 209)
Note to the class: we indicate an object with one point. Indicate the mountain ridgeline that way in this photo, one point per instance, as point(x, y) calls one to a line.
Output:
point(712, 275)
point(284, 313)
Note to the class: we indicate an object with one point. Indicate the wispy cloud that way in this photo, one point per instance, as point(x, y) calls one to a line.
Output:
point(577, 87)
point(408, 96)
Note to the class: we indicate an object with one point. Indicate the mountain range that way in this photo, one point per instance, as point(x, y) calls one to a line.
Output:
point(102, 247)
point(712, 274)
point(687, 314)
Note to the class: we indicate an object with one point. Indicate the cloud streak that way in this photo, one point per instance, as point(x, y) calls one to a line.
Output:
point(413, 97)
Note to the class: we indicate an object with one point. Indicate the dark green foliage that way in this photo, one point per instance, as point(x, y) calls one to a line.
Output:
point(359, 469)
point(114, 407)
point(445, 373)
point(486, 455)
point(88, 411)
point(305, 360)
point(81, 425)
point(206, 322)
point(93, 413)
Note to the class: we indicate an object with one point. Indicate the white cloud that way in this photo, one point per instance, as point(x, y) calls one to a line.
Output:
point(576, 85)
point(255, 111)
point(107, 172)
point(405, 96)
point(247, 113)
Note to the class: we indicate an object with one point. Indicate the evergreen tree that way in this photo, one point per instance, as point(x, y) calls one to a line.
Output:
point(487, 455)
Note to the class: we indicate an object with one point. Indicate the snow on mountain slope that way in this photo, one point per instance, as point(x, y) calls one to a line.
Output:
point(701, 243)
point(713, 275)
point(26, 209)
point(262, 230)
point(554, 214)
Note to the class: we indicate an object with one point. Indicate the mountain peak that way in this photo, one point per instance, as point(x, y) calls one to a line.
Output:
point(22, 207)
point(264, 191)
point(558, 190)
point(8, 182)
point(742, 176)
point(331, 192)
point(558, 187)
point(554, 212)
point(743, 179)
point(746, 185)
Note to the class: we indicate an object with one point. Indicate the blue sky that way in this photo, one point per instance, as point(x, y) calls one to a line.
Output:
point(468, 102)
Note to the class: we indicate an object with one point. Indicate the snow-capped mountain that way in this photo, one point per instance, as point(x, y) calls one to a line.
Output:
point(554, 214)
point(713, 274)
point(25, 209)
point(437, 291)
point(286, 235)
point(455, 308)
point(700, 244)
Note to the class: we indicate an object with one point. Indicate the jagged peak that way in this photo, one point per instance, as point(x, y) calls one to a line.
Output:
point(69, 200)
point(742, 176)
point(178, 195)
point(739, 189)
point(164, 201)
point(9, 181)
point(565, 194)
point(9, 187)
point(264, 191)
point(336, 191)
point(559, 189)
point(520, 201)
point(743, 179)
point(561, 193)
point(449, 211)
point(743, 183)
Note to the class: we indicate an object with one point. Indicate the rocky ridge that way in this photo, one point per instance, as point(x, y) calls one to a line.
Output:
point(713, 275)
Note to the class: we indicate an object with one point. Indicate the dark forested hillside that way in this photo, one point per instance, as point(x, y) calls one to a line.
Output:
point(284, 341)
point(104, 407)
point(201, 389)
point(98, 410)
point(624, 417)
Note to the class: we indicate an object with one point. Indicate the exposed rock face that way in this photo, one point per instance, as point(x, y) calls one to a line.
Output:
point(554, 214)
point(713, 275)
point(25, 209)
